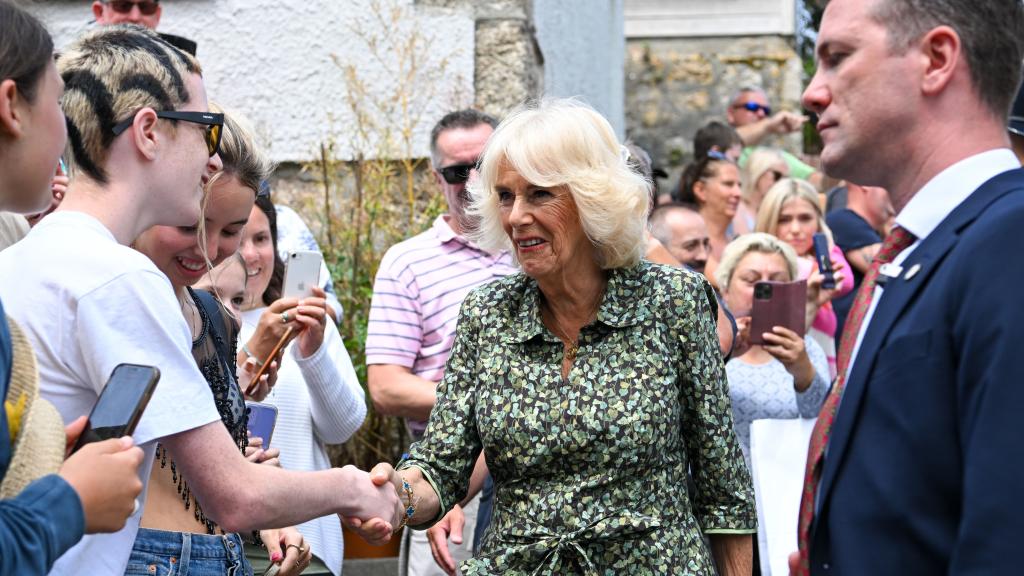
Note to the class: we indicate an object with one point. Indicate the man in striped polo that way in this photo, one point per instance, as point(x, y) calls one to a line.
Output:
point(416, 298)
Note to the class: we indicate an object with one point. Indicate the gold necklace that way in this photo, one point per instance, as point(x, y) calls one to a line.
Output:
point(572, 347)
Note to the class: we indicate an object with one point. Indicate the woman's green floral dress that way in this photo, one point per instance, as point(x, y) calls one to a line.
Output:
point(590, 473)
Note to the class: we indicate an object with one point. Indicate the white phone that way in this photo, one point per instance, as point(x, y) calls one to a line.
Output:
point(301, 273)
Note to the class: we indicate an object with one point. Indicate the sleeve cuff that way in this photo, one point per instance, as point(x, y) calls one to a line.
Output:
point(442, 508)
point(55, 499)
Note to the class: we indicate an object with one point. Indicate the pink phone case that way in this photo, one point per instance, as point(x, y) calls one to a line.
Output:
point(778, 304)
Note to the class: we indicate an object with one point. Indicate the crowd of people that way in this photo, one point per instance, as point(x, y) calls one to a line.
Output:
point(580, 358)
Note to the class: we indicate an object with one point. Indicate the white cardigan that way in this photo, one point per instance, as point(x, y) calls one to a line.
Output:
point(319, 401)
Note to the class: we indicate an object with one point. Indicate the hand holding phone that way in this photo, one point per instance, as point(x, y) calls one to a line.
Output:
point(120, 405)
point(301, 273)
point(778, 304)
point(262, 419)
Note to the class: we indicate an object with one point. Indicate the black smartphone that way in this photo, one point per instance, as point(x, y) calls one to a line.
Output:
point(120, 405)
point(778, 304)
point(824, 261)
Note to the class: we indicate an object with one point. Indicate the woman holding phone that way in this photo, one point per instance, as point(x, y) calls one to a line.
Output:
point(790, 211)
point(787, 376)
point(173, 520)
point(317, 394)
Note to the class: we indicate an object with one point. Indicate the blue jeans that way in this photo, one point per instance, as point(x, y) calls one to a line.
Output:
point(162, 553)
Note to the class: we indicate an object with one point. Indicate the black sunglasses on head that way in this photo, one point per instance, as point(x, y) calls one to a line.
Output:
point(213, 121)
point(146, 7)
point(456, 174)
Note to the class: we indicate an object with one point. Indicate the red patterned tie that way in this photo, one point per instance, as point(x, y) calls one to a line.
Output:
point(897, 241)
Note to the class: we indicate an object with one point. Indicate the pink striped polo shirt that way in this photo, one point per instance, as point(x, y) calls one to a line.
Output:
point(417, 295)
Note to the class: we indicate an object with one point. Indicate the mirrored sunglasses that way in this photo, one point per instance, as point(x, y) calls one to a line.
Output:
point(754, 107)
point(214, 123)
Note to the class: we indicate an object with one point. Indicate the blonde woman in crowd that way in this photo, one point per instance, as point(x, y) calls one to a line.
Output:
point(762, 168)
point(791, 212)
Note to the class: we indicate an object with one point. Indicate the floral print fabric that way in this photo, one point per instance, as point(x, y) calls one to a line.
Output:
point(590, 472)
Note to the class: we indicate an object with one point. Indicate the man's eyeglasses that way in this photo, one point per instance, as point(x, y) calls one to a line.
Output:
point(146, 7)
point(214, 123)
point(456, 174)
point(755, 107)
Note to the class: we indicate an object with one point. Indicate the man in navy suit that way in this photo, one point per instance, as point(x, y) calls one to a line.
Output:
point(922, 467)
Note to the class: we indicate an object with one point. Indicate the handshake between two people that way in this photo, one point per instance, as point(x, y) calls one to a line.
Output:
point(386, 513)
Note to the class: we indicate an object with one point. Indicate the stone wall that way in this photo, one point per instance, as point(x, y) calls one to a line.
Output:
point(674, 86)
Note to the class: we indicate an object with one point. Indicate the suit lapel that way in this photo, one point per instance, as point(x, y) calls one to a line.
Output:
point(897, 295)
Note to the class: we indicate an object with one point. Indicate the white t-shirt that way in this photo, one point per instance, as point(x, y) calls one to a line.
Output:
point(88, 304)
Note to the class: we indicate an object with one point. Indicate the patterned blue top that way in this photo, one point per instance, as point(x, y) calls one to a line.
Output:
point(766, 391)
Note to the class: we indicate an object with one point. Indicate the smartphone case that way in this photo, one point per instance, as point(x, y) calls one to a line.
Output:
point(778, 304)
point(302, 272)
point(120, 406)
point(262, 419)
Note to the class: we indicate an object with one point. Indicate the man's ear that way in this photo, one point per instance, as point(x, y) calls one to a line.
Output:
point(144, 133)
point(438, 178)
point(940, 50)
point(97, 11)
point(10, 109)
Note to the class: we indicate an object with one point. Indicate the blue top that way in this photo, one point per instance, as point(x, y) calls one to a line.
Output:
point(46, 519)
point(851, 232)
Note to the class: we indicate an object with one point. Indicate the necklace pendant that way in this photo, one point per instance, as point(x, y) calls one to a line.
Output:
point(571, 352)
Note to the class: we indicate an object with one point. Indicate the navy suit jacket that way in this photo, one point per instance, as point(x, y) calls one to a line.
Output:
point(925, 466)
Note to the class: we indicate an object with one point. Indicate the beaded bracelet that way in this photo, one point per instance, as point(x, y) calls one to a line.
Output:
point(410, 504)
point(245, 348)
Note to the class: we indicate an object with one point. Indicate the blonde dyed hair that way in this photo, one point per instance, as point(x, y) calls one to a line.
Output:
point(754, 242)
point(111, 73)
point(757, 163)
point(243, 159)
point(564, 142)
point(783, 191)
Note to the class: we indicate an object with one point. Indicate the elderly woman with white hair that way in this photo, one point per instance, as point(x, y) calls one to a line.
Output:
point(788, 377)
point(592, 380)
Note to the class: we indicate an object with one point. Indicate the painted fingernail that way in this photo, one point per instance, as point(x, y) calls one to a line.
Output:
point(275, 557)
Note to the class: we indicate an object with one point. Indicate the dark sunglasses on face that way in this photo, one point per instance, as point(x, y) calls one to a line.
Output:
point(755, 107)
point(457, 174)
point(146, 7)
point(214, 123)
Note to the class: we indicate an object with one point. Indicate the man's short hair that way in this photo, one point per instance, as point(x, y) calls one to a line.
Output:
point(110, 74)
point(656, 221)
point(460, 119)
point(715, 134)
point(990, 31)
point(747, 89)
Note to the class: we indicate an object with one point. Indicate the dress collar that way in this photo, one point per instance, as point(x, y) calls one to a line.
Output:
point(621, 306)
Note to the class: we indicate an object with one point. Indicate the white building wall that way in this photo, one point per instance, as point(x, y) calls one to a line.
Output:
point(274, 61)
point(584, 48)
point(694, 18)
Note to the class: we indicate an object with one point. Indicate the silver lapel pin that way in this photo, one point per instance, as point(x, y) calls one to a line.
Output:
point(912, 272)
